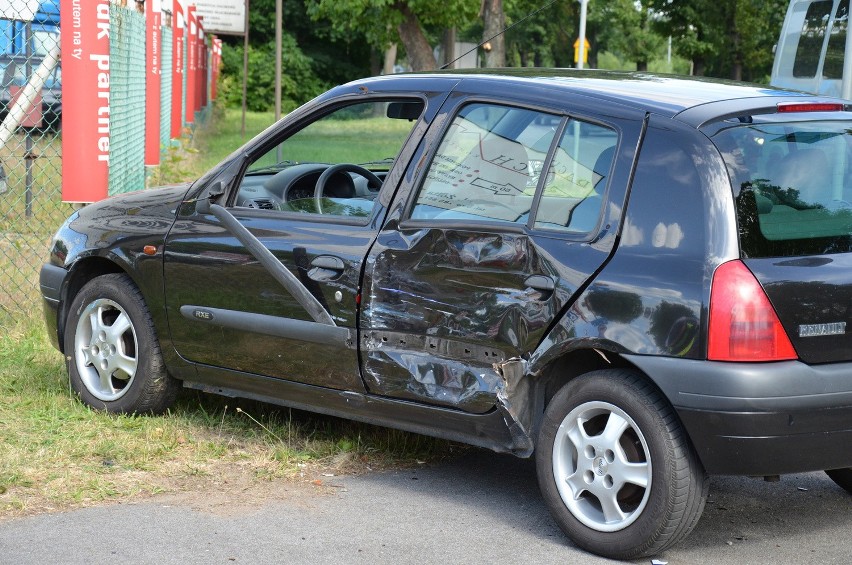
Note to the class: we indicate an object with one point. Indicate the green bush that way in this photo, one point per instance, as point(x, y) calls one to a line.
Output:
point(299, 81)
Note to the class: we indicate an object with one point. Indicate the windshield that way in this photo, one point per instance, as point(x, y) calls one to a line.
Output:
point(793, 186)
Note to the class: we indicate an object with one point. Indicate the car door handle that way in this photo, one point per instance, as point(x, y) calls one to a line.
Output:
point(541, 283)
point(328, 262)
point(326, 268)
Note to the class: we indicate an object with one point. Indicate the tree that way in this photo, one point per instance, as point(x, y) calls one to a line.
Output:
point(382, 22)
point(298, 84)
point(315, 57)
point(544, 38)
point(627, 29)
point(494, 22)
point(732, 38)
point(420, 55)
point(691, 26)
point(547, 38)
point(758, 27)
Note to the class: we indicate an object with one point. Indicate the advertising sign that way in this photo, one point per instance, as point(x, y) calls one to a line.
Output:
point(178, 25)
point(152, 82)
point(86, 89)
point(191, 37)
point(223, 16)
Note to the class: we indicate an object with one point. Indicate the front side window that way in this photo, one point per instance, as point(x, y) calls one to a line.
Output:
point(490, 166)
point(333, 166)
point(790, 181)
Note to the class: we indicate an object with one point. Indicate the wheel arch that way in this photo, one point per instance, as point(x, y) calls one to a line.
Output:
point(81, 272)
point(559, 370)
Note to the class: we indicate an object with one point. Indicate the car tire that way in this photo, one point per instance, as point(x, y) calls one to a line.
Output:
point(843, 478)
point(616, 468)
point(114, 358)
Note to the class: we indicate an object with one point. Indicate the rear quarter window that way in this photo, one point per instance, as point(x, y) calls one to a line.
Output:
point(792, 187)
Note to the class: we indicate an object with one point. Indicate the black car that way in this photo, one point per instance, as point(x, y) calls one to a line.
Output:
point(638, 280)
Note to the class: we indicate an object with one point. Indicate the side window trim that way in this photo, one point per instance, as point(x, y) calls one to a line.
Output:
point(545, 171)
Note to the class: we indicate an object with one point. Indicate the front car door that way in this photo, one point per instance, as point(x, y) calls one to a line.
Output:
point(486, 246)
point(305, 198)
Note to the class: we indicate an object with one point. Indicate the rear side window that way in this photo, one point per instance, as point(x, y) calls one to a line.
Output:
point(793, 186)
point(811, 40)
point(487, 165)
point(833, 66)
point(490, 166)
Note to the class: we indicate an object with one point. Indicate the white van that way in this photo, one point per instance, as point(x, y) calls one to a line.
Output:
point(814, 52)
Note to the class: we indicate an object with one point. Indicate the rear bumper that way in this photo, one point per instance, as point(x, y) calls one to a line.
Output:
point(760, 418)
point(51, 280)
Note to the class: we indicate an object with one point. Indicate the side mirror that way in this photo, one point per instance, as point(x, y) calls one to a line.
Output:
point(209, 196)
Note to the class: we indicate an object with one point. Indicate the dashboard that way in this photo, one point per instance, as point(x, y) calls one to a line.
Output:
point(293, 188)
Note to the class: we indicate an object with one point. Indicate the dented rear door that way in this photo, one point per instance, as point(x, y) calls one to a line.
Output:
point(482, 251)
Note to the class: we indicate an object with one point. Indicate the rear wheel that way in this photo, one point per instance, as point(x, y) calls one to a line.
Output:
point(114, 359)
point(843, 478)
point(616, 468)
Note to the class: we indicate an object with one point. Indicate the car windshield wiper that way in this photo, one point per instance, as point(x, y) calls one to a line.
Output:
point(385, 161)
point(272, 168)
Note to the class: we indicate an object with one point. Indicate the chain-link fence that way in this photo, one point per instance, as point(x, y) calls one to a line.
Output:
point(127, 99)
point(30, 154)
point(31, 207)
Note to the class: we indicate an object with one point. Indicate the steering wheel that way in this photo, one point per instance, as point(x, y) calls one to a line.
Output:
point(342, 167)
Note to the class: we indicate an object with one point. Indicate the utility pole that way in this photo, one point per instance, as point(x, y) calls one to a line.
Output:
point(245, 68)
point(279, 11)
point(584, 4)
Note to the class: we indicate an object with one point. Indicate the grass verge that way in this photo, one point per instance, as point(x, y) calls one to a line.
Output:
point(59, 454)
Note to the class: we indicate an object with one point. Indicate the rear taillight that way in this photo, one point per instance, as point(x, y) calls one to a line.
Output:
point(743, 324)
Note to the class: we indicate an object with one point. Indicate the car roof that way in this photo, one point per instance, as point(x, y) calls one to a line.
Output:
point(693, 100)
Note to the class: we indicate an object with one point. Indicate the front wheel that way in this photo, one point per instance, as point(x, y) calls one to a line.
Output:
point(616, 468)
point(114, 359)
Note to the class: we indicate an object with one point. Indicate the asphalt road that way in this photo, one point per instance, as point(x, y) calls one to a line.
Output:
point(478, 508)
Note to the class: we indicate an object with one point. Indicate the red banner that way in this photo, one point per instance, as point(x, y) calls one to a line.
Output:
point(202, 70)
point(178, 25)
point(191, 63)
point(85, 96)
point(217, 59)
point(153, 14)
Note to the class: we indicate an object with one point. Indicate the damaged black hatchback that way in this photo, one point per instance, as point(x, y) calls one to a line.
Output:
point(638, 280)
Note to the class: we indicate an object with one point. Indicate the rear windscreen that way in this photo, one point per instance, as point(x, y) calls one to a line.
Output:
point(793, 186)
